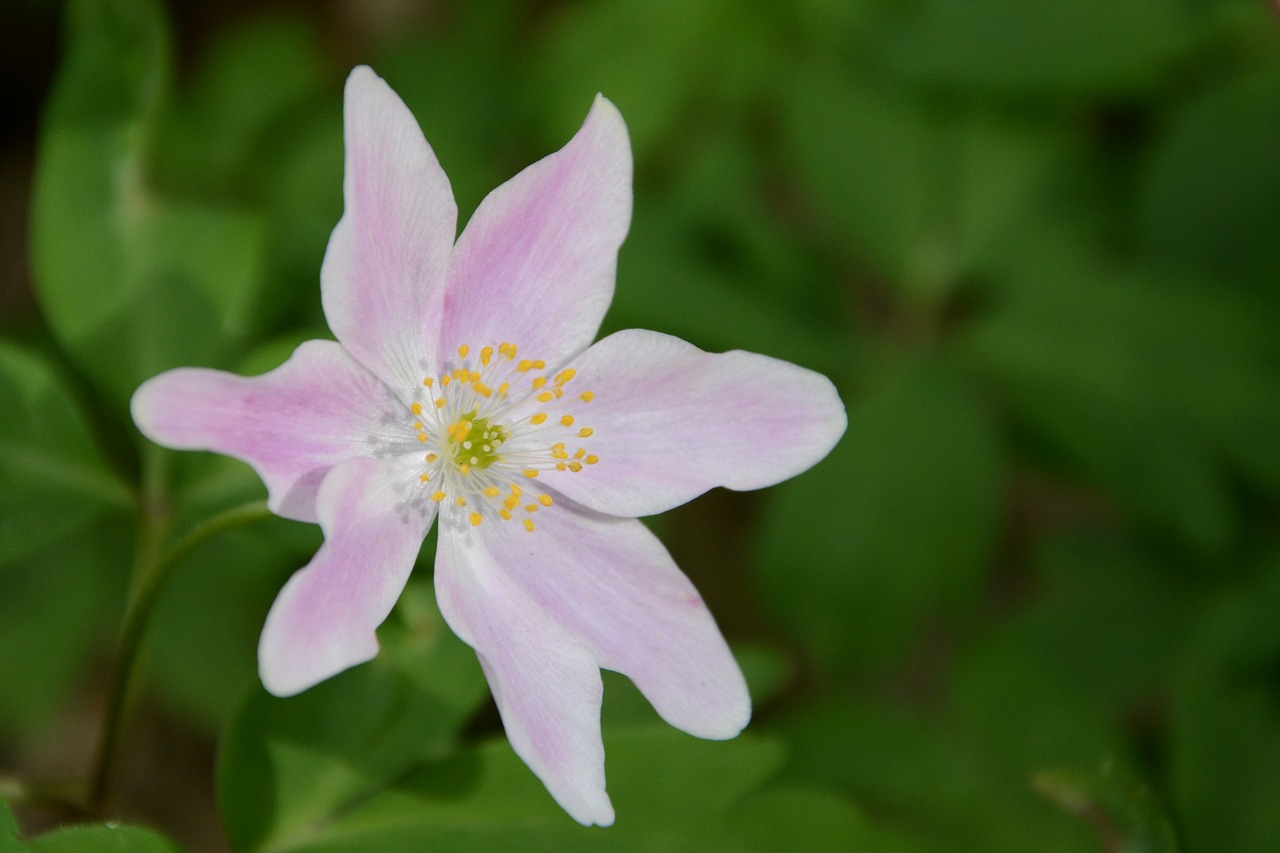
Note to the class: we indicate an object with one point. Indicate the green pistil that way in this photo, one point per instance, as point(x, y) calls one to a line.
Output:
point(477, 446)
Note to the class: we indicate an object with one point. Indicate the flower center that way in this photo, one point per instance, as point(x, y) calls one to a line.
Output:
point(490, 425)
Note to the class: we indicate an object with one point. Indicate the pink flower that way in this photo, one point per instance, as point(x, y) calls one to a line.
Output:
point(464, 385)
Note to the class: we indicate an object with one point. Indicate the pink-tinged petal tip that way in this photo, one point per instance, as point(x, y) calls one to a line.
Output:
point(382, 281)
point(536, 264)
point(324, 619)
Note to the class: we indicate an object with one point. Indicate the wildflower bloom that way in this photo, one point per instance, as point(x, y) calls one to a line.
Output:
point(464, 386)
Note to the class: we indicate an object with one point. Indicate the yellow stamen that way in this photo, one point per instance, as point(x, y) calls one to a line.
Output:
point(493, 491)
point(440, 402)
point(463, 350)
point(544, 499)
point(539, 382)
point(530, 473)
point(461, 501)
point(528, 524)
point(591, 459)
point(546, 397)
point(587, 396)
point(486, 354)
point(565, 375)
point(524, 365)
point(585, 432)
point(437, 496)
point(416, 408)
point(476, 518)
point(428, 382)
point(539, 418)
point(567, 420)
point(575, 466)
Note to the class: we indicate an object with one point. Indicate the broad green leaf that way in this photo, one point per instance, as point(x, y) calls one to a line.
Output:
point(642, 55)
point(56, 606)
point(1129, 812)
point(1037, 46)
point(896, 526)
point(8, 828)
point(1211, 198)
point(1134, 381)
point(246, 90)
point(1224, 746)
point(131, 283)
point(671, 792)
point(107, 838)
point(289, 768)
point(52, 479)
point(932, 782)
point(914, 193)
point(203, 638)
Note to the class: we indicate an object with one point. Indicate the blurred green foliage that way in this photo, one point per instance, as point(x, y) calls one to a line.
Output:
point(1029, 603)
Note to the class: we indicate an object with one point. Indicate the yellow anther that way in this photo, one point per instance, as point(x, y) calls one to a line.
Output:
point(440, 402)
point(422, 438)
point(541, 417)
point(424, 477)
point(531, 508)
point(511, 502)
point(508, 350)
point(587, 396)
point(567, 420)
point(460, 501)
point(524, 365)
point(437, 496)
point(416, 408)
point(463, 350)
point(505, 513)
point(431, 457)
point(565, 375)
point(544, 499)
point(581, 453)
point(528, 524)
point(575, 466)
point(559, 393)
point(559, 454)
point(428, 382)
point(538, 364)
point(445, 380)
point(462, 374)
point(502, 389)
point(464, 468)
point(482, 389)
point(546, 397)
point(417, 425)
point(493, 491)
point(476, 518)
point(530, 473)
point(585, 432)
point(538, 382)
point(591, 459)
point(486, 353)
point(560, 466)
point(516, 490)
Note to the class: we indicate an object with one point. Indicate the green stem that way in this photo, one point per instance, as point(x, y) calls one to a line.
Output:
point(152, 569)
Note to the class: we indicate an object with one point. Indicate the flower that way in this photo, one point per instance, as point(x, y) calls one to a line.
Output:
point(464, 386)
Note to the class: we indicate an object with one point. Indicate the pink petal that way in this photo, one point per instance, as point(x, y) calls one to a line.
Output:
point(292, 425)
point(547, 686)
point(382, 281)
point(323, 621)
point(611, 584)
point(535, 265)
point(671, 421)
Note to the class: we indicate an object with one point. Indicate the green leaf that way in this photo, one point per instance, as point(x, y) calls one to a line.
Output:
point(897, 525)
point(108, 838)
point(56, 605)
point(1224, 755)
point(1037, 46)
point(291, 767)
point(671, 792)
point(8, 828)
point(1211, 199)
point(934, 783)
point(130, 283)
point(918, 194)
point(52, 479)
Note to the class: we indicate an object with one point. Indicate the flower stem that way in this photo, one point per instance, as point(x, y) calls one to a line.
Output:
point(152, 568)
